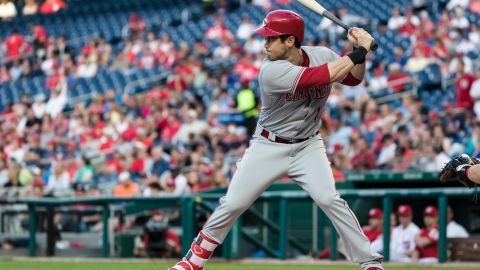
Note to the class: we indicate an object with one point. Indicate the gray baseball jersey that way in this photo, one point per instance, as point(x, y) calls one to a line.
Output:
point(286, 111)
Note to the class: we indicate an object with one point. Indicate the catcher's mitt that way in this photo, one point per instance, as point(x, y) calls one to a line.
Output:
point(455, 169)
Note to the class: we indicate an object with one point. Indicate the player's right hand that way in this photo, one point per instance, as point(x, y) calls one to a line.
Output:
point(365, 40)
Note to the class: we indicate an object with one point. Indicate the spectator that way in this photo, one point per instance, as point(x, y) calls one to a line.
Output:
point(15, 44)
point(30, 8)
point(219, 32)
point(126, 187)
point(16, 70)
point(52, 6)
point(192, 126)
point(426, 250)
point(56, 103)
point(350, 19)
point(379, 81)
point(59, 181)
point(396, 19)
point(454, 230)
point(7, 10)
point(247, 105)
point(402, 243)
point(453, 4)
point(174, 182)
point(387, 152)
point(475, 94)
point(374, 230)
point(364, 159)
point(397, 80)
point(460, 21)
point(418, 62)
point(246, 28)
point(136, 26)
point(463, 84)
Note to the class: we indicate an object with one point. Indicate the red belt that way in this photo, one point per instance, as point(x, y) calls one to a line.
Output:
point(266, 133)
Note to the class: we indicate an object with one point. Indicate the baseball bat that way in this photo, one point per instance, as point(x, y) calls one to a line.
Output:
point(315, 6)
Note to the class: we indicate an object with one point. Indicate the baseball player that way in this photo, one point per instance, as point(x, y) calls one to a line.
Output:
point(426, 249)
point(374, 230)
point(295, 82)
point(402, 242)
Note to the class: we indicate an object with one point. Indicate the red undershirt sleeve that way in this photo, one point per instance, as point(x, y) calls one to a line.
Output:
point(351, 80)
point(314, 76)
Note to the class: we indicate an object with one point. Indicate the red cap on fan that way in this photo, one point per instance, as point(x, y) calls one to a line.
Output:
point(431, 211)
point(375, 213)
point(404, 210)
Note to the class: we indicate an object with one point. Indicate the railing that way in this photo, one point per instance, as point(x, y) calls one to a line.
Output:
point(155, 78)
point(188, 207)
point(411, 92)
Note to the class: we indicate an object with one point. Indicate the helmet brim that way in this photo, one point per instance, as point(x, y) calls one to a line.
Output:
point(267, 32)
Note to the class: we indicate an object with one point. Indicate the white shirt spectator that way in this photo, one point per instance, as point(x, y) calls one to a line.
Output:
point(396, 19)
point(465, 46)
point(402, 242)
point(455, 230)
point(253, 45)
point(386, 154)
point(58, 186)
point(459, 21)
point(56, 103)
point(440, 160)
point(246, 29)
point(7, 10)
point(39, 108)
point(222, 51)
point(458, 3)
point(181, 185)
point(377, 84)
point(87, 70)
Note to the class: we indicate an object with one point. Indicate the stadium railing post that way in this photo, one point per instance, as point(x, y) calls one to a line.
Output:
point(105, 228)
point(188, 221)
point(32, 230)
point(283, 245)
point(442, 241)
point(333, 242)
point(387, 210)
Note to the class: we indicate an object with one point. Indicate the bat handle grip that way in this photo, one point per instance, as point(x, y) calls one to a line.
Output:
point(373, 46)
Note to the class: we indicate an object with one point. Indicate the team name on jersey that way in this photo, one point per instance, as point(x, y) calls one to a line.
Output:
point(316, 92)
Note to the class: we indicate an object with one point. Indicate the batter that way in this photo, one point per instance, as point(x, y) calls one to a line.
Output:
point(295, 82)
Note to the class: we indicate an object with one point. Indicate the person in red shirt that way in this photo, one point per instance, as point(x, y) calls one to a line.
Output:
point(426, 250)
point(52, 6)
point(15, 44)
point(462, 86)
point(374, 230)
point(364, 159)
point(397, 80)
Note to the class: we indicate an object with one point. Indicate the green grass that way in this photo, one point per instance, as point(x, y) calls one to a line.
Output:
point(79, 265)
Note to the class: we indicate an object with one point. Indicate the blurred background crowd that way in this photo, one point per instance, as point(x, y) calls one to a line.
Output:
point(72, 125)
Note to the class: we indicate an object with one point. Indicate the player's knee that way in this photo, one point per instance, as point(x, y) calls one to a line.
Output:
point(236, 208)
point(325, 200)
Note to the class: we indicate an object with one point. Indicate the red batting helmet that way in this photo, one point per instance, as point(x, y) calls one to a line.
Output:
point(282, 22)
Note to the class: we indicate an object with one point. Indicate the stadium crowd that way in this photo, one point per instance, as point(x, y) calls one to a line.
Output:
point(172, 140)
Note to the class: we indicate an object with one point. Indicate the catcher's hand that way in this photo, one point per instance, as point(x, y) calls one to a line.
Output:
point(455, 169)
